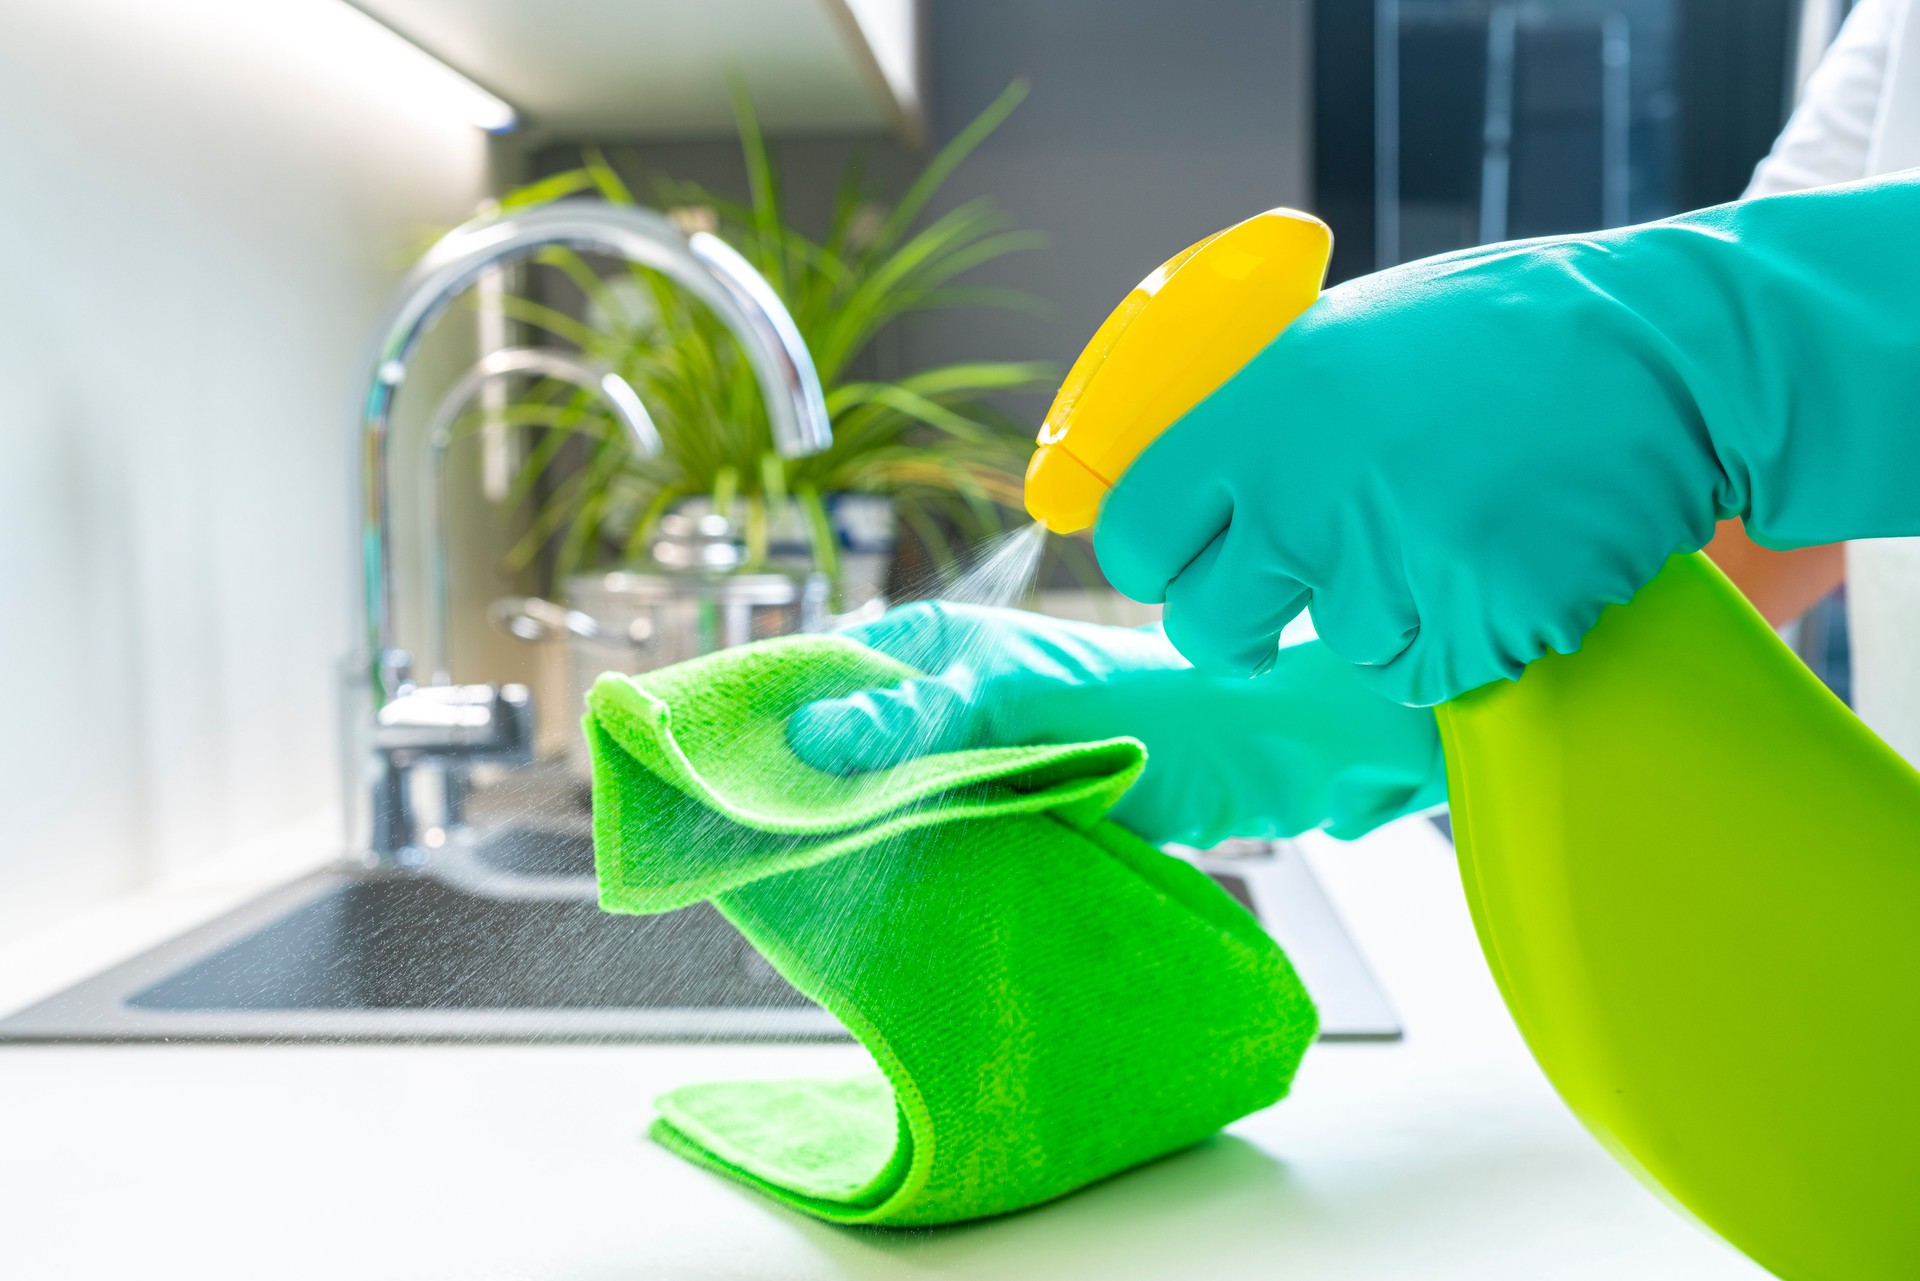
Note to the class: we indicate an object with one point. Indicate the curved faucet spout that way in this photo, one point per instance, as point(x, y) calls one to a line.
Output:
point(703, 264)
point(621, 399)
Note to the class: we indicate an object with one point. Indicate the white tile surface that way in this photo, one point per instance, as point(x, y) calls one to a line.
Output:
point(1446, 1156)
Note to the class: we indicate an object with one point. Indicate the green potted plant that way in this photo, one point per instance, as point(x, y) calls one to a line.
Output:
point(927, 443)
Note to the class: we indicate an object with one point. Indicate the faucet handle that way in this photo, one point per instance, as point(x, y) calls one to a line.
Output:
point(466, 723)
point(396, 671)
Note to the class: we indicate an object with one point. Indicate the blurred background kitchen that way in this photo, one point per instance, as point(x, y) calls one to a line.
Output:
point(207, 203)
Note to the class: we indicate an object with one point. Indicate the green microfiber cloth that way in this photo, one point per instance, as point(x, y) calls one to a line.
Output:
point(1049, 1000)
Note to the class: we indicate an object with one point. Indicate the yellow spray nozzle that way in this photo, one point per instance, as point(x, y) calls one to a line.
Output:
point(1178, 335)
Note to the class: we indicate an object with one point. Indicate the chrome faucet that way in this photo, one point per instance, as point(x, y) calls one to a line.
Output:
point(400, 723)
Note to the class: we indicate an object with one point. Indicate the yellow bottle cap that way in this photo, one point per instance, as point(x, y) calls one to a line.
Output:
point(1181, 333)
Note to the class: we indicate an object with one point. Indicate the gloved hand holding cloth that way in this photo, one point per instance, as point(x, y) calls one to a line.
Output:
point(1305, 746)
point(1047, 999)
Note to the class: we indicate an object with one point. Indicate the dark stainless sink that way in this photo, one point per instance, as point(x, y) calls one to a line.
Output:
point(499, 939)
point(413, 943)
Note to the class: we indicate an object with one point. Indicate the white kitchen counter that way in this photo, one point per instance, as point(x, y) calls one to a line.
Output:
point(1444, 1156)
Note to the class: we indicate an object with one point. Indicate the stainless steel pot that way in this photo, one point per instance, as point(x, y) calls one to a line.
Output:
point(694, 602)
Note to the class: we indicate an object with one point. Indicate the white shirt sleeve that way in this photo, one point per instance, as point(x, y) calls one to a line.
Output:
point(1827, 139)
point(1896, 136)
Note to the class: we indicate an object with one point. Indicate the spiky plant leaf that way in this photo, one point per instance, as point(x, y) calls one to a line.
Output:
point(929, 440)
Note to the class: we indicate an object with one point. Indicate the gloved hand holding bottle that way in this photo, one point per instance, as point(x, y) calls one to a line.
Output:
point(1460, 462)
point(1304, 746)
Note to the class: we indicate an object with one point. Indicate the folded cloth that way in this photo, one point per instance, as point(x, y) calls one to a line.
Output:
point(1049, 999)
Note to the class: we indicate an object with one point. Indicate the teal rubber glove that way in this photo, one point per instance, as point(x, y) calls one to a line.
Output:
point(1461, 461)
point(1304, 746)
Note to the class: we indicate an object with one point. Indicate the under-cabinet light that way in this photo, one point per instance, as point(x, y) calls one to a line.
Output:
point(383, 54)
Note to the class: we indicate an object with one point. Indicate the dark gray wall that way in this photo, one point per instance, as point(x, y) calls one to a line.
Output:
point(1150, 124)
